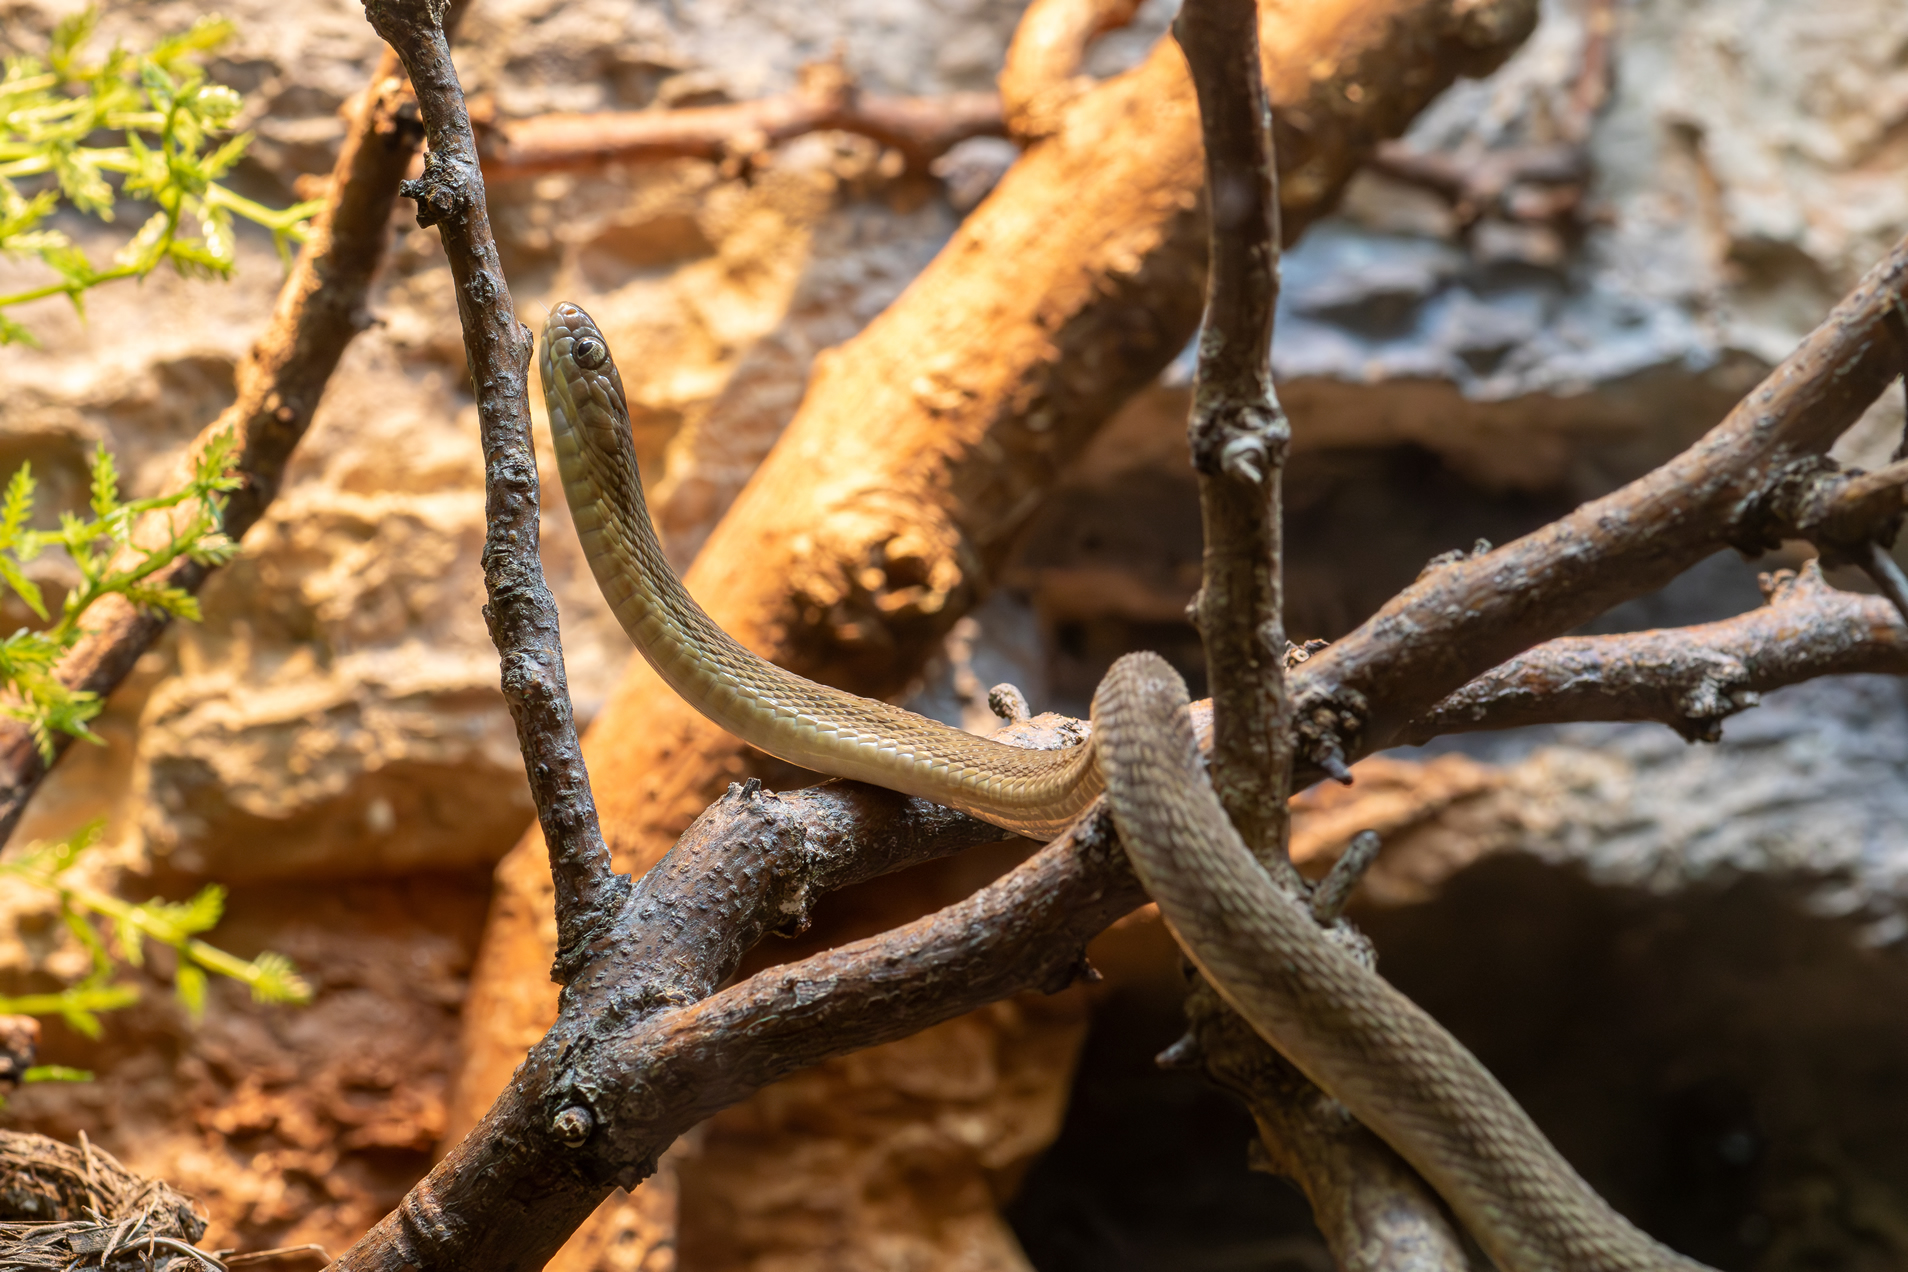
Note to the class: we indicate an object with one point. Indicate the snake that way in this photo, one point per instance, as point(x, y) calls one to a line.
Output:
point(1384, 1058)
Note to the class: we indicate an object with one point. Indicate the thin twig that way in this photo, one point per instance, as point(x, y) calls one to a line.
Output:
point(1465, 617)
point(522, 614)
point(179, 1247)
point(921, 129)
point(1336, 888)
point(1689, 678)
point(1238, 432)
point(320, 308)
point(1881, 568)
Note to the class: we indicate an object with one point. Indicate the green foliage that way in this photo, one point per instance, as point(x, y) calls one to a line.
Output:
point(115, 931)
point(109, 562)
point(165, 118)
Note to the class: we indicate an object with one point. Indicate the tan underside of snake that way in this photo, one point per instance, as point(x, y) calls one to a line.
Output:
point(1392, 1065)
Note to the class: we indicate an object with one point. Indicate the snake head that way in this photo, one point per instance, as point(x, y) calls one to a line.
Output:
point(580, 379)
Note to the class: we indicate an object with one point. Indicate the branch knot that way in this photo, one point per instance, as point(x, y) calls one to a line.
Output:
point(1328, 725)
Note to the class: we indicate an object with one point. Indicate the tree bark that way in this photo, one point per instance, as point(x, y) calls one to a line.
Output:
point(926, 442)
point(923, 445)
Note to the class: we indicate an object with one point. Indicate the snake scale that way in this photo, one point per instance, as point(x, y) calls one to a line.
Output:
point(1371, 1048)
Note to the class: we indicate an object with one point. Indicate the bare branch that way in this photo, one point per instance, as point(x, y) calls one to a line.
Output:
point(632, 1078)
point(1465, 617)
point(921, 128)
point(320, 308)
point(893, 497)
point(1374, 1211)
point(1238, 432)
point(522, 614)
point(1689, 678)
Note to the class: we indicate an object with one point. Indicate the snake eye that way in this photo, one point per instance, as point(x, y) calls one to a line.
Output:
point(589, 353)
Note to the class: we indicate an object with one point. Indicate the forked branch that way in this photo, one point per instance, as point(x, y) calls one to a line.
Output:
point(1464, 618)
point(1690, 678)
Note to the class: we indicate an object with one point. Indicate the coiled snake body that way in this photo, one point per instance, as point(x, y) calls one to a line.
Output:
point(1387, 1061)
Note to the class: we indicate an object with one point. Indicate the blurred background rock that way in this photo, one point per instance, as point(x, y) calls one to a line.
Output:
point(1687, 960)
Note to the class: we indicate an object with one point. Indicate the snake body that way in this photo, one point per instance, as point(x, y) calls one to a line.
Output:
point(1378, 1053)
point(1385, 1059)
point(1033, 793)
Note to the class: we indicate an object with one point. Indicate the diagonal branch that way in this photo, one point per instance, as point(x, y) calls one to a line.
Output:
point(320, 308)
point(1463, 618)
point(631, 1078)
point(522, 614)
point(1689, 678)
point(921, 129)
point(1041, 73)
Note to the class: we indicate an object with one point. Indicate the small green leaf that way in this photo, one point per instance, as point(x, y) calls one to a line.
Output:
point(132, 942)
point(28, 590)
point(105, 481)
point(168, 599)
point(56, 1073)
point(18, 503)
point(275, 980)
point(189, 983)
point(12, 332)
point(68, 35)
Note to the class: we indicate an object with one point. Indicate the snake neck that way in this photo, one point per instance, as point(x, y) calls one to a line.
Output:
point(1035, 793)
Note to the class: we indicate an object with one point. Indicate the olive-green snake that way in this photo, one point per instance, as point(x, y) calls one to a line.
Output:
point(1374, 1050)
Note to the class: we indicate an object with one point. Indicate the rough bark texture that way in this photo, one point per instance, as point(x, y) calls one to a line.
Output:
point(924, 444)
point(1467, 614)
point(1239, 436)
point(628, 1070)
point(521, 612)
point(1690, 678)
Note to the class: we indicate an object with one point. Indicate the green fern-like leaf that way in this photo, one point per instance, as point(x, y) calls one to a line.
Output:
point(28, 590)
point(275, 980)
point(171, 600)
point(105, 482)
point(189, 983)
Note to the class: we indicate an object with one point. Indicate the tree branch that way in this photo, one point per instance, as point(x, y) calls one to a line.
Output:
point(1239, 434)
point(921, 128)
point(1690, 678)
point(632, 1078)
point(522, 614)
point(320, 308)
point(1463, 618)
point(1374, 1211)
point(898, 488)
point(1041, 73)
